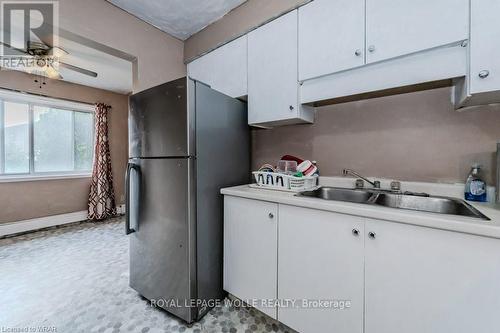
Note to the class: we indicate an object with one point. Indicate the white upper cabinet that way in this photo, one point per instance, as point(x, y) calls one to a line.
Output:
point(273, 94)
point(482, 84)
point(485, 46)
point(201, 69)
point(398, 27)
point(329, 49)
point(331, 37)
point(224, 69)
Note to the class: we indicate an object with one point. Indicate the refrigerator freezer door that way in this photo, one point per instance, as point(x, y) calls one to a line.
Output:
point(161, 251)
point(161, 122)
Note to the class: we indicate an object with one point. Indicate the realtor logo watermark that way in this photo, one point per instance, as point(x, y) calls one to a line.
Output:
point(25, 22)
point(332, 304)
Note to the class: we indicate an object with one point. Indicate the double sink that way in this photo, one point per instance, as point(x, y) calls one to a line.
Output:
point(413, 201)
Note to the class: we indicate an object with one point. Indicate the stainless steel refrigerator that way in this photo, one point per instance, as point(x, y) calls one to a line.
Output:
point(186, 142)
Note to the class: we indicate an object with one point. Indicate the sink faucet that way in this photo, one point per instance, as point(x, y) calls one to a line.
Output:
point(346, 172)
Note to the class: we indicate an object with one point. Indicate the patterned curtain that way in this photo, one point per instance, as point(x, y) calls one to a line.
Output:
point(102, 195)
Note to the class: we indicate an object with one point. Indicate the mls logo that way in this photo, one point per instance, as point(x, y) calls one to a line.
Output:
point(28, 22)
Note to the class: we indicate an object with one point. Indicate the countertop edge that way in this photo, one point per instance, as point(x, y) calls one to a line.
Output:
point(443, 222)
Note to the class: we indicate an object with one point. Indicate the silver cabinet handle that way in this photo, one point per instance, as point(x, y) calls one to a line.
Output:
point(371, 48)
point(357, 53)
point(484, 74)
point(355, 232)
point(271, 215)
point(372, 235)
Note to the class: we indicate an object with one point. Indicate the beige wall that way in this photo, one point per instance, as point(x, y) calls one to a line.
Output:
point(416, 136)
point(159, 55)
point(237, 22)
point(26, 200)
point(159, 58)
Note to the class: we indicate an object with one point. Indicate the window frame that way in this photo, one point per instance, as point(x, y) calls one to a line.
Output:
point(42, 101)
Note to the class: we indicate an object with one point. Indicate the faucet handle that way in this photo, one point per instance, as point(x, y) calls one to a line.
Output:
point(360, 183)
point(395, 186)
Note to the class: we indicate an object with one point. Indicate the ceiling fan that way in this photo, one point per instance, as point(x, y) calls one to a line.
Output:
point(47, 60)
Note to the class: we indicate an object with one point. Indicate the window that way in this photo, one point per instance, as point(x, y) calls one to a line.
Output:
point(16, 138)
point(44, 137)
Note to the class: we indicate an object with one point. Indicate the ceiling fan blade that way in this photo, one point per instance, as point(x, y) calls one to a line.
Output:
point(52, 73)
point(57, 51)
point(78, 69)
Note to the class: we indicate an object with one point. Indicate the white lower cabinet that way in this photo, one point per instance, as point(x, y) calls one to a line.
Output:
point(397, 277)
point(250, 250)
point(320, 257)
point(426, 280)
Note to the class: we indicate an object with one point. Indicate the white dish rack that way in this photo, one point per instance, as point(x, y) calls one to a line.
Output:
point(283, 182)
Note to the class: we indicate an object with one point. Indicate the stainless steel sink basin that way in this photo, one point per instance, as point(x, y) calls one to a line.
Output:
point(432, 204)
point(340, 194)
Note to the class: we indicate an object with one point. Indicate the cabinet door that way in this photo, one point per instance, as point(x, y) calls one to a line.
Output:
point(201, 69)
point(485, 46)
point(230, 68)
point(273, 73)
point(399, 27)
point(224, 69)
point(331, 37)
point(250, 250)
point(320, 258)
point(427, 280)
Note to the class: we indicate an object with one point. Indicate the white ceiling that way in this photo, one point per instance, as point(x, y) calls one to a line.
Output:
point(179, 18)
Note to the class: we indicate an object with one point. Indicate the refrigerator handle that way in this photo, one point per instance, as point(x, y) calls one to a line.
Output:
point(130, 167)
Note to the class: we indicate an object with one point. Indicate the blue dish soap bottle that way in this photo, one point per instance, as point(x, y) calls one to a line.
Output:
point(475, 187)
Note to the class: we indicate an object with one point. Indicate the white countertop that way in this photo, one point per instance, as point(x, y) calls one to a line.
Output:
point(462, 224)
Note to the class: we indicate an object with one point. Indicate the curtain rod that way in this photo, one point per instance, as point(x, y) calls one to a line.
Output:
point(47, 96)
